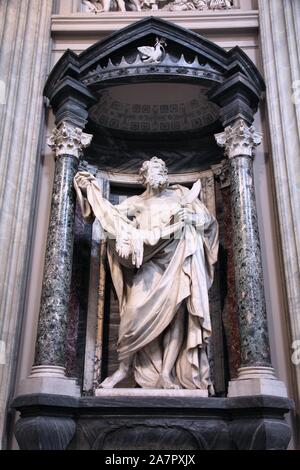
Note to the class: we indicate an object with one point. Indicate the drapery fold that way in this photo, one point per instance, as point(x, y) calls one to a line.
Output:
point(175, 271)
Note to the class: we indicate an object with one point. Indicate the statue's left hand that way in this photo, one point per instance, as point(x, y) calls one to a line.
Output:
point(83, 179)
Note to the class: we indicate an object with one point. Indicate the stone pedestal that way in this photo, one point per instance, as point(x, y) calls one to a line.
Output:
point(152, 423)
point(150, 392)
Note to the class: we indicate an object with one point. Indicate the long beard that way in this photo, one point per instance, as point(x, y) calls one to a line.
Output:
point(157, 181)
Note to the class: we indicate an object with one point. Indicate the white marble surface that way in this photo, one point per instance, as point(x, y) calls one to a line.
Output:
point(259, 386)
point(48, 379)
point(149, 392)
point(256, 381)
point(152, 357)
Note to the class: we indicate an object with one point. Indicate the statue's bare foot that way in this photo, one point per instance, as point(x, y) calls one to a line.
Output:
point(115, 378)
point(166, 382)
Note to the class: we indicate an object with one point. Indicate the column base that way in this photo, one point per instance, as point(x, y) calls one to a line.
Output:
point(256, 381)
point(49, 379)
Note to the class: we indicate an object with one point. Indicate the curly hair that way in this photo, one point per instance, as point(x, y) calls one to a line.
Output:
point(145, 167)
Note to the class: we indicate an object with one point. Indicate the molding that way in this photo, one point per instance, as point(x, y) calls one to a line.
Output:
point(113, 21)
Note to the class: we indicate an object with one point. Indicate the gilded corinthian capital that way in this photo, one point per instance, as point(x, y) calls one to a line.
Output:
point(67, 139)
point(239, 139)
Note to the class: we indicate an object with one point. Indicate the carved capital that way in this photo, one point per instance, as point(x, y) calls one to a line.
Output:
point(67, 139)
point(239, 139)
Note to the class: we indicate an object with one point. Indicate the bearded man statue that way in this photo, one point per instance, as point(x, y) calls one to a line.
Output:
point(161, 247)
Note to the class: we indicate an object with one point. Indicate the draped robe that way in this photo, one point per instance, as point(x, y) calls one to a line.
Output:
point(169, 283)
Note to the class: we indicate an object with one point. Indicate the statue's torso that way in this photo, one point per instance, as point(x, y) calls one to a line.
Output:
point(155, 211)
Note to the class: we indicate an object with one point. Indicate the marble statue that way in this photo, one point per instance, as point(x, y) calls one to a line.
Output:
point(98, 6)
point(93, 6)
point(185, 5)
point(161, 248)
point(219, 5)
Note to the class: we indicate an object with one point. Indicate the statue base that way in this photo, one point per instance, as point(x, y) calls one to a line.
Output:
point(149, 392)
point(53, 422)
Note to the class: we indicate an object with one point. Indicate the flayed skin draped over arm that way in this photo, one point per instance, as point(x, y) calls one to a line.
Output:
point(114, 220)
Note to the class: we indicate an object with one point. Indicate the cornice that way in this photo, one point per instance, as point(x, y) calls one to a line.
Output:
point(86, 23)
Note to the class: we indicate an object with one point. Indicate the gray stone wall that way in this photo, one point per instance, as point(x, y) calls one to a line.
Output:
point(24, 60)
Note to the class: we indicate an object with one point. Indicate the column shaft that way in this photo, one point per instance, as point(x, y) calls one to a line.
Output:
point(67, 142)
point(255, 349)
point(256, 375)
point(52, 328)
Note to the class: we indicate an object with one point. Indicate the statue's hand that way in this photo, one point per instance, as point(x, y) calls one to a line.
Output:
point(83, 179)
point(186, 215)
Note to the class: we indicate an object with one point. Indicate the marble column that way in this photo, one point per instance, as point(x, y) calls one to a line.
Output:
point(48, 372)
point(25, 31)
point(256, 375)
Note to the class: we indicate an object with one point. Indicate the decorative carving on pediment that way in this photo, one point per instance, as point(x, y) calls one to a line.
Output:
point(153, 54)
point(166, 65)
point(102, 6)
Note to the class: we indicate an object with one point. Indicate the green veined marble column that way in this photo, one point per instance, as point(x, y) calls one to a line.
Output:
point(67, 143)
point(239, 141)
point(256, 375)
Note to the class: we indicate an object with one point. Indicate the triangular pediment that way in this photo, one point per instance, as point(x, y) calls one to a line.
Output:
point(179, 41)
point(187, 52)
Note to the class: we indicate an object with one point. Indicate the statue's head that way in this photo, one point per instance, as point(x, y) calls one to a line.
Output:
point(154, 173)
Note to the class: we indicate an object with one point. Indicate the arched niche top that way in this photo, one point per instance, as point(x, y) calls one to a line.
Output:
point(185, 50)
point(229, 84)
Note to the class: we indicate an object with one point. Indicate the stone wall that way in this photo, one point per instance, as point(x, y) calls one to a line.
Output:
point(24, 63)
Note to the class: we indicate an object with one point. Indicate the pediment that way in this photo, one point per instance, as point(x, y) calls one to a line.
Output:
point(187, 55)
point(154, 77)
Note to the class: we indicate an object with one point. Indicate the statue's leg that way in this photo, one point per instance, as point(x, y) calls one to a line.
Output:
point(106, 5)
point(121, 5)
point(172, 343)
point(137, 5)
point(121, 373)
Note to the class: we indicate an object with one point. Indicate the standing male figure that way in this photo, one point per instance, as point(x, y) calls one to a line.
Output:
point(162, 246)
